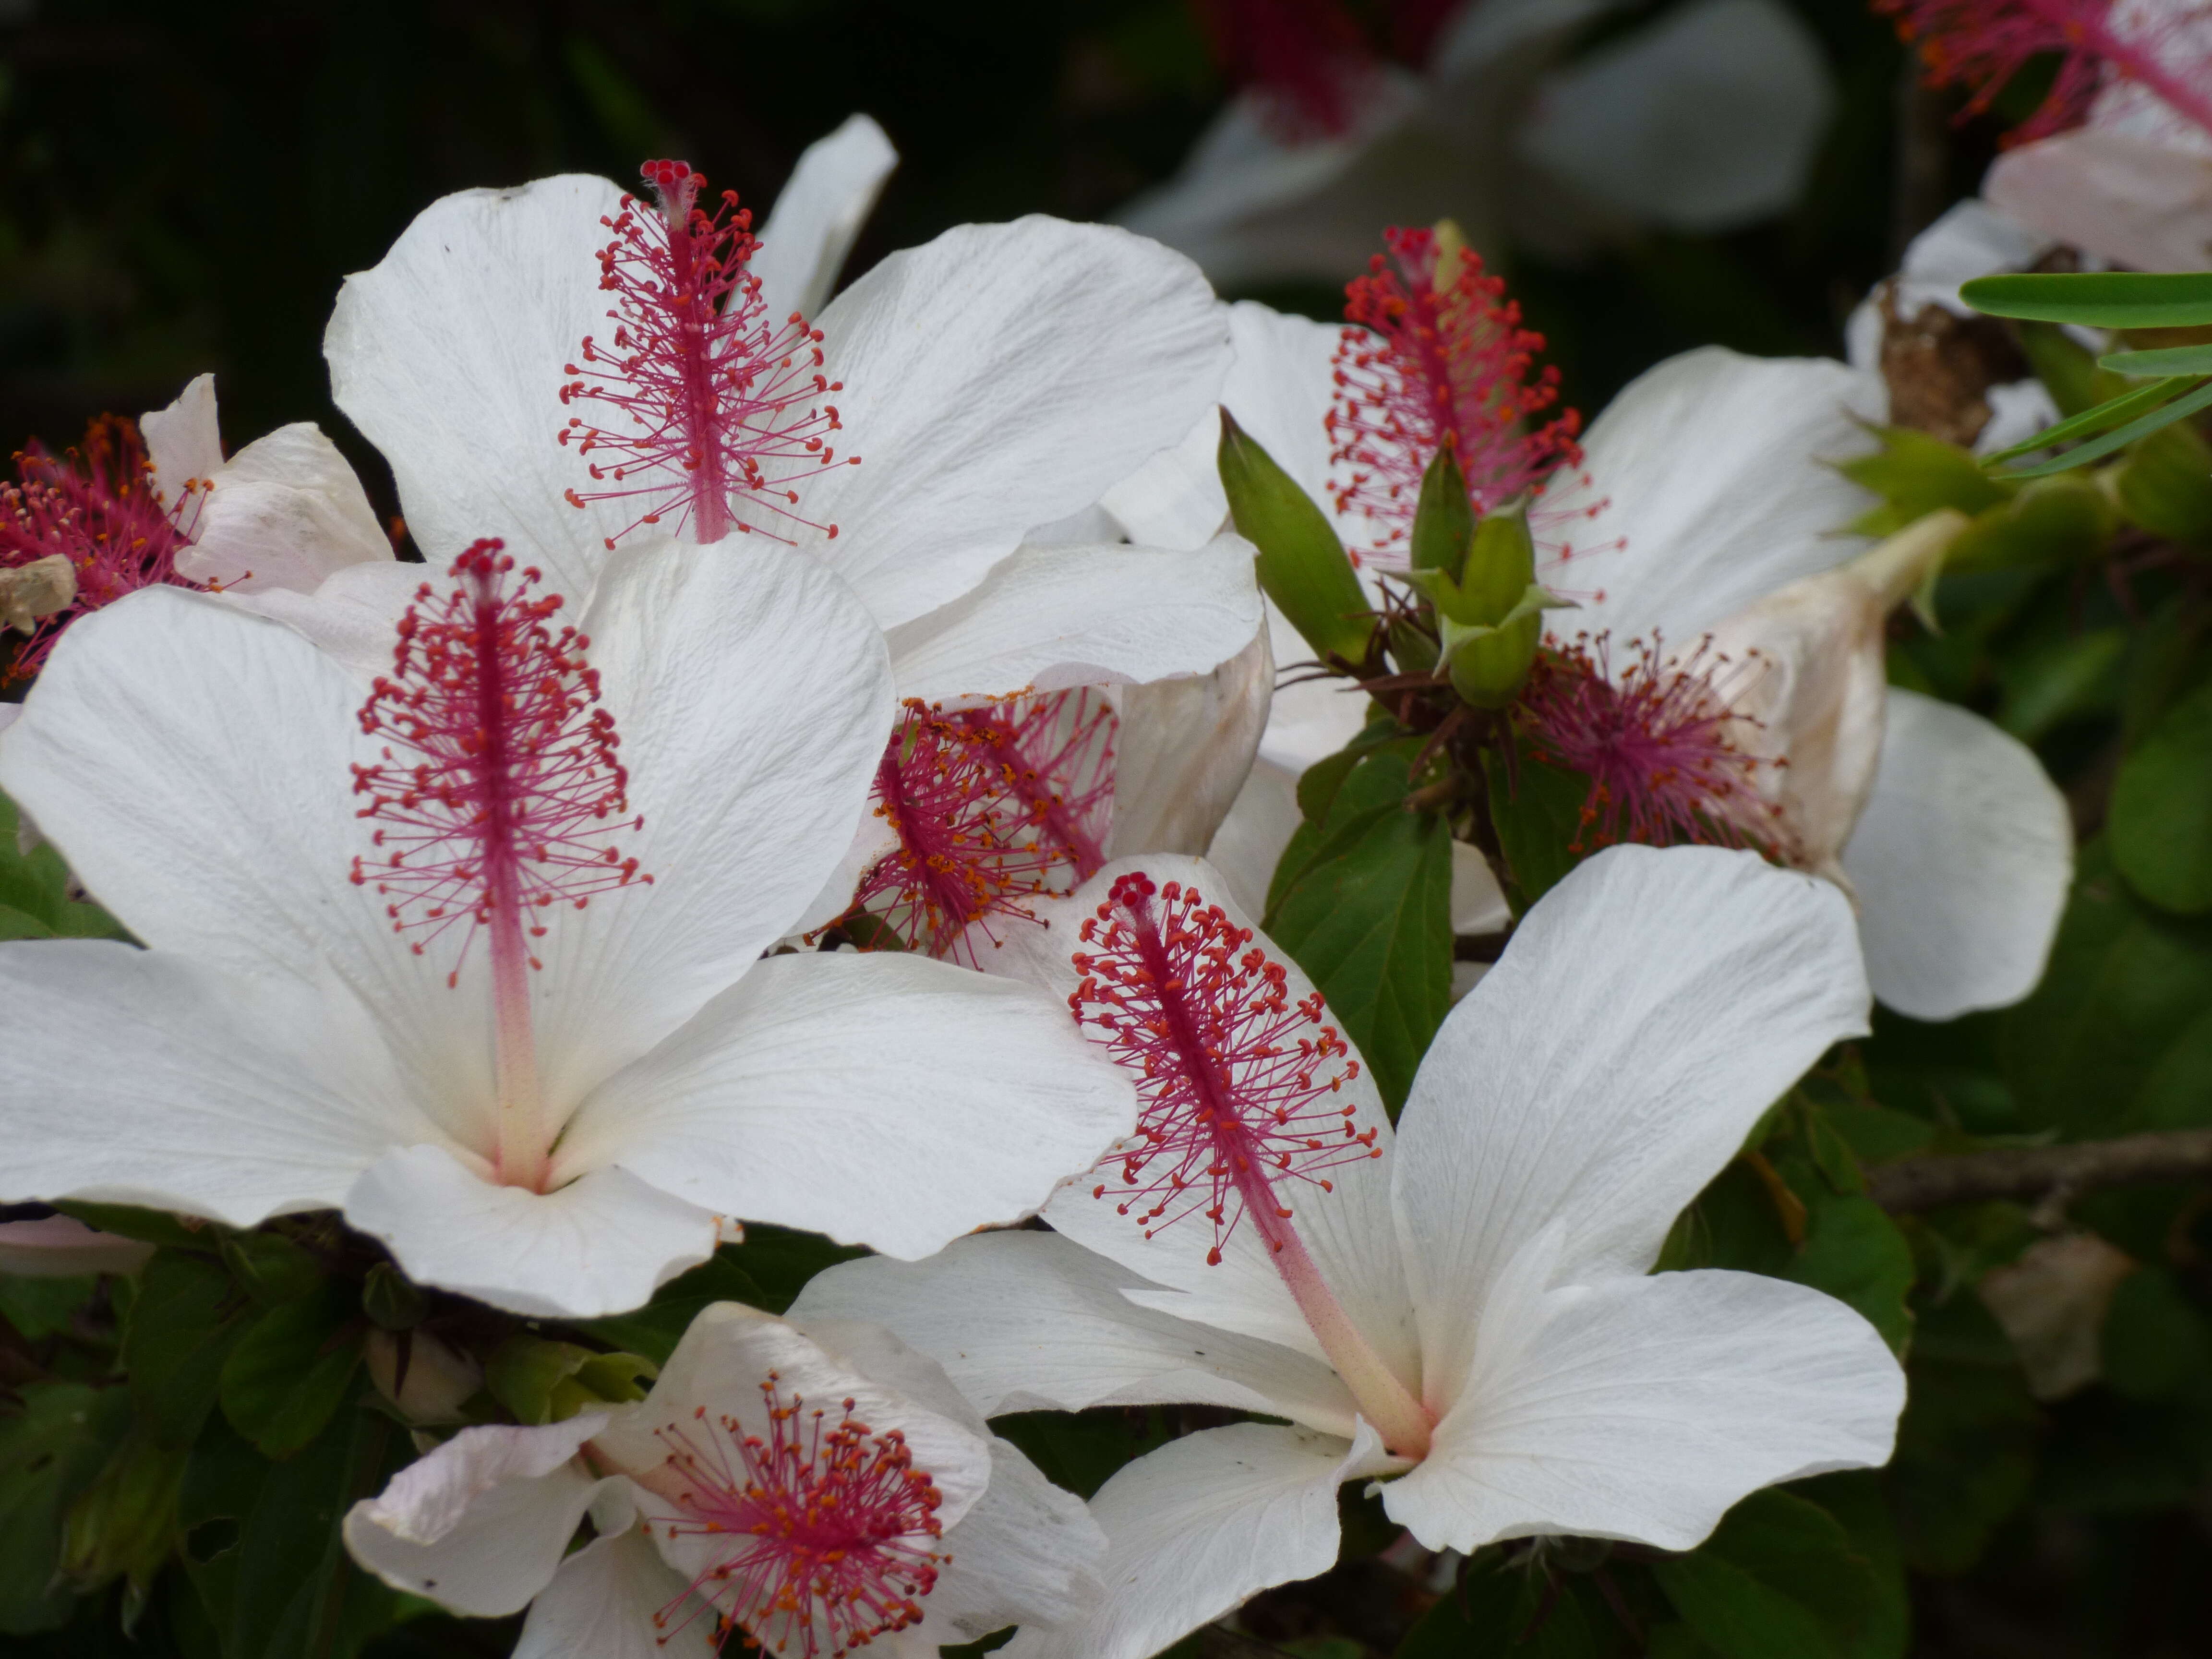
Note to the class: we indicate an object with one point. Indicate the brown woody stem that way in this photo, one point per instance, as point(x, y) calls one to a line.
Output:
point(1929, 1182)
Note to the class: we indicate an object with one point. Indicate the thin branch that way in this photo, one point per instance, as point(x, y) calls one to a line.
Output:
point(1929, 1183)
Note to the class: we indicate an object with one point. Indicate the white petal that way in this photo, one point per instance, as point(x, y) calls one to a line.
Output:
point(1706, 120)
point(1717, 469)
point(1971, 239)
point(350, 616)
point(602, 1603)
point(1643, 1408)
point(1183, 750)
point(1196, 1527)
point(1028, 1554)
point(601, 1244)
point(480, 1523)
point(1313, 715)
point(1481, 37)
point(183, 442)
point(1249, 843)
point(1029, 1322)
point(448, 356)
point(286, 511)
point(1961, 863)
point(59, 1247)
point(2124, 197)
point(142, 1077)
point(824, 204)
point(1649, 1009)
point(999, 377)
point(962, 1100)
point(1048, 618)
point(1348, 1228)
point(752, 696)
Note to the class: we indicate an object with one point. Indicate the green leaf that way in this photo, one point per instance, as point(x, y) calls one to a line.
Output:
point(270, 1267)
point(780, 1261)
point(2141, 426)
point(1370, 918)
point(41, 1307)
point(184, 1322)
point(2071, 677)
point(2161, 813)
point(1503, 1609)
point(2155, 1343)
point(2165, 485)
point(50, 1451)
point(1338, 791)
point(2165, 361)
point(1854, 1252)
point(124, 1523)
point(655, 1329)
point(1081, 1451)
point(1965, 1447)
point(1537, 812)
point(152, 1226)
point(2118, 1036)
point(1854, 1497)
point(1916, 473)
point(17, 924)
point(291, 1369)
point(1779, 1575)
point(1302, 565)
point(2106, 299)
point(2063, 520)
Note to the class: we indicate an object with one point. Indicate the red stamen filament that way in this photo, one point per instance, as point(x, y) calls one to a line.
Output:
point(830, 1526)
point(1659, 742)
point(97, 506)
point(992, 807)
point(1982, 44)
point(494, 801)
point(719, 407)
point(1237, 1089)
point(1431, 362)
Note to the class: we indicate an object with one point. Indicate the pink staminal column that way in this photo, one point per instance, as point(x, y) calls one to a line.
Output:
point(991, 807)
point(1436, 356)
point(1659, 738)
point(498, 797)
point(1240, 1105)
point(705, 411)
point(832, 1529)
point(1982, 44)
point(96, 506)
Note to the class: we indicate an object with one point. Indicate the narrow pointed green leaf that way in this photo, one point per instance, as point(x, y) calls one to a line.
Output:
point(2170, 361)
point(2106, 299)
point(2089, 421)
point(2179, 410)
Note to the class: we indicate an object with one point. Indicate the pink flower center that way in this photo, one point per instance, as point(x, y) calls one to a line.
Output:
point(497, 798)
point(1308, 59)
point(1982, 44)
point(713, 409)
point(1659, 740)
point(97, 507)
point(1239, 1099)
point(829, 1525)
point(1424, 367)
point(992, 807)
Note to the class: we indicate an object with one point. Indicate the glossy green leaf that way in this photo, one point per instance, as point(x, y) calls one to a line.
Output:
point(2067, 678)
point(291, 1369)
point(2160, 821)
point(1509, 1610)
point(1081, 1451)
point(1302, 565)
point(34, 900)
point(2061, 520)
point(781, 1259)
point(1917, 473)
point(1779, 1575)
point(1537, 812)
point(41, 1307)
point(2166, 360)
point(152, 1226)
point(2165, 485)
point(2109, 299)
point(53, 1442)
point(1368, 916)
point(2141, 426)
point(187, 1318)
point(1965, 1447)
point(1854, 1252)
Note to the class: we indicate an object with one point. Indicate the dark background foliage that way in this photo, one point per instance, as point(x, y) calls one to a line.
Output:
point(183, 187)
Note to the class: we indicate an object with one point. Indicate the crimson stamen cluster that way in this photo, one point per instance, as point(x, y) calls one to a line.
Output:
point(96, 506)
point(717, 402)
point(992, 807)
point(499, 786)
point(1425, 365)
point(828, 1522)
point(1239, 1086)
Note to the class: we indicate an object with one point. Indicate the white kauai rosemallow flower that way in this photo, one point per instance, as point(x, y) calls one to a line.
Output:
point(1463, 1309)
point(1722, 674)
point(819, 1487)
point(473, 951)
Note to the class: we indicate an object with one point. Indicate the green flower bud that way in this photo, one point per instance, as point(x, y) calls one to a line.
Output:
point(124, 1523)
point(1303, 566)
point(1443, 520)
point(543, 1382)
point(1492, 617)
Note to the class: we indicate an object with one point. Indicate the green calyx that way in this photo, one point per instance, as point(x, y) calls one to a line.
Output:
point(1302, 565)
point(1489, 614)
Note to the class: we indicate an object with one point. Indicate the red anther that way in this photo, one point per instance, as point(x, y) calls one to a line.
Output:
point(1449, 365)
point(1982, 44)
point(829, 1527)
point(709, 418)
point(96, 506)
point(1234, 1079)
point(1659, 742)
point(1308, 59)
point(992, 807)
point(500, 777)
